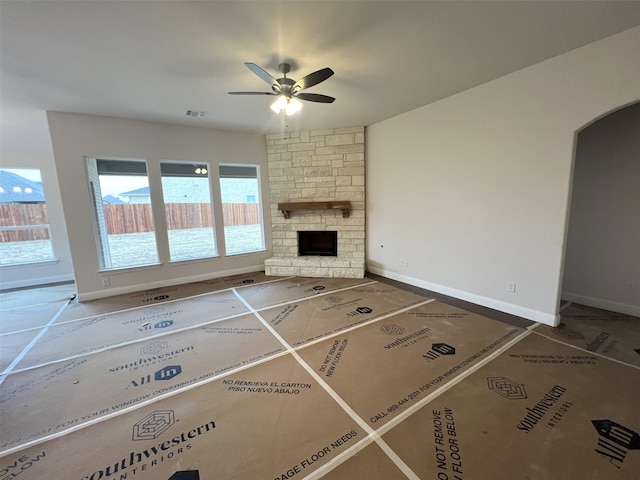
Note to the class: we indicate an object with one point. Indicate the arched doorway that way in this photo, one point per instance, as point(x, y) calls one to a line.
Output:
point(602, 251)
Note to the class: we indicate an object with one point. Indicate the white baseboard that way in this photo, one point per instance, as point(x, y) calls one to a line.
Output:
point(524, 312)
point(602, 303)
point(102, 293)
point(31, 282)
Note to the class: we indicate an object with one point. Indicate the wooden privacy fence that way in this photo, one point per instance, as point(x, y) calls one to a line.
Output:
point(23, 215)
point(123, 218)
point(136, 218)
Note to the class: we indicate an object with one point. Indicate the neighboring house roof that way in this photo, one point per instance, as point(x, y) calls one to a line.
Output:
point(112, 200)
point(17, 189)
point(137, 191)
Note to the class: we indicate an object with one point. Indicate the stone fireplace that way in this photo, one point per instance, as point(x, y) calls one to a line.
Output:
point(316, 180)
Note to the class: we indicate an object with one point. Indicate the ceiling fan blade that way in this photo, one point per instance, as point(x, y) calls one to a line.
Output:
point(315, 97)
point(312, 79)
point(263, 74)
point(251, 93)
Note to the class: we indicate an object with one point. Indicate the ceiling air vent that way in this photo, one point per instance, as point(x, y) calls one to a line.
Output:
point(196, 113)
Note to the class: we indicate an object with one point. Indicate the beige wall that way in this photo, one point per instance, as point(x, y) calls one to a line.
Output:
point(473, 191)
point(76, 136)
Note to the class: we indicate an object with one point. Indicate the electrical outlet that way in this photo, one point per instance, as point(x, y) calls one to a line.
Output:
point(106, 282)
point(511, 286)
point(630, 287)
point(404, 263)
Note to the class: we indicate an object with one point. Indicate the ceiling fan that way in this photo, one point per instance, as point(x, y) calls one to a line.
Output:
point(288, 90)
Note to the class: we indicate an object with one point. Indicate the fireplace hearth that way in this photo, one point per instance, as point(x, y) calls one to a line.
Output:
point(317, 243)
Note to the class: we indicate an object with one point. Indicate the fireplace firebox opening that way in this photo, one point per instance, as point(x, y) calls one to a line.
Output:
point(319, 243)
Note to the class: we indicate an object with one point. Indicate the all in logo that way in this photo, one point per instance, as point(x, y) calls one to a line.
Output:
point(507, 388)
point(157, 298)
point(153, 425)
point(186, 475)
point(317, 288)
point(392, 329)
point(615, 441)
point(561, 331)
point(166, 373)
point(162, 324)
point(437, 350)
point(154, 348)
point(360, 311)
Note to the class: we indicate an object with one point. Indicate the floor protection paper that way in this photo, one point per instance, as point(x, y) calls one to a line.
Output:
point(314, 318)
point(219, 430)
point(60, 341)
point(541, 410)
point(34, 296)
point(292, 289)
point(371, 464)
point(384, 368)
point(36, 316)
point(160, 295)
point(614, 335)
point(97, 385)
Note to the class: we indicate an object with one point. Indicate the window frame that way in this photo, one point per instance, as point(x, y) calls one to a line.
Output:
point(190, 165)
point(46, 226)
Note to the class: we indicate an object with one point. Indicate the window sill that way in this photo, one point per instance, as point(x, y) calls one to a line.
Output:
point(37, 263)
point(132, 268)
point(194, 260)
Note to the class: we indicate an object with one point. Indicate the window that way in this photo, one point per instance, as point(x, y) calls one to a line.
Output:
point(122, 215)
point(25, 236)
point(240, 192)
point(187, 203)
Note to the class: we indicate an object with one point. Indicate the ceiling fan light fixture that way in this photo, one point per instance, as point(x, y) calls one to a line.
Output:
point(293, 106)
point(289, 105)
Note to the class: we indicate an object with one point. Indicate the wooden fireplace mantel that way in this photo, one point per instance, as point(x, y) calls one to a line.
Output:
point(287, 208)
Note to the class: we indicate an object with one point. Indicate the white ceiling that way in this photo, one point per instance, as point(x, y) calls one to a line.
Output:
point(153, 60)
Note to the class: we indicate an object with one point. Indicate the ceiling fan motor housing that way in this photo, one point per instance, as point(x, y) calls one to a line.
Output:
point(284, 86)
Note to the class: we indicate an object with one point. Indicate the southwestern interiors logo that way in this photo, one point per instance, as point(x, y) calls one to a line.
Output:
point(507, 388)
point(153, 348)
point(615, 441)
point(561, 331)
point(163, 450)
point(153, 425)
point(392, 329)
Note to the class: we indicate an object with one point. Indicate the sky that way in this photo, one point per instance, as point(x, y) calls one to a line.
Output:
point(115, 185)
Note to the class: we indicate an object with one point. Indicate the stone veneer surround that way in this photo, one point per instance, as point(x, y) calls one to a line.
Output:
point(320, 166)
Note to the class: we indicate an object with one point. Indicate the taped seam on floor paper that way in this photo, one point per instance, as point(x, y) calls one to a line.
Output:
point(340, 458)
point(451, 383)
point(330, 292)
point(124, 344)
point(26, 349)
point(66, 299)
point(142, 404)
point(588, 351)
point(333, 394)
point(138, 307)
point(368, 322)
